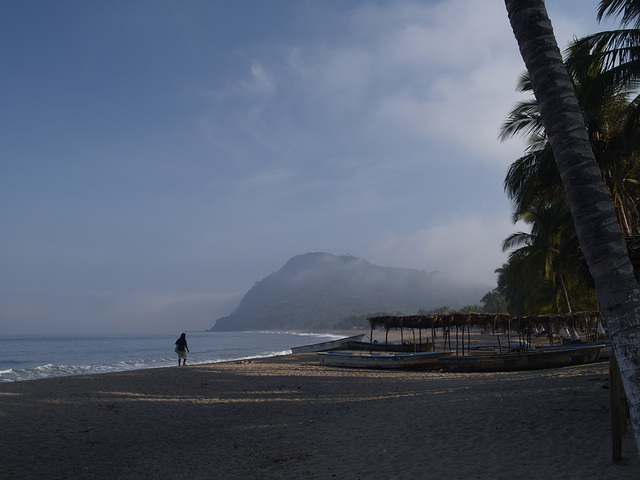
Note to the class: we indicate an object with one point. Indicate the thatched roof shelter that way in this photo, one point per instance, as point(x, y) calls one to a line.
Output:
point(495, 321)
point(522, 328)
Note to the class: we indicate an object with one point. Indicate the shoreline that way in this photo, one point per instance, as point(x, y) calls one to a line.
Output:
point(34, 359)
point(289, 417)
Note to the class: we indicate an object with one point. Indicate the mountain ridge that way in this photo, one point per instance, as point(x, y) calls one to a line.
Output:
point(315, 291)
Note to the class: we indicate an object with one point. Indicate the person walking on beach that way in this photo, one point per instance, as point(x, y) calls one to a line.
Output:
point(182, 349)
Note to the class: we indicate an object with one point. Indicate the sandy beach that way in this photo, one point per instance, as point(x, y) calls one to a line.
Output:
point(289, 418)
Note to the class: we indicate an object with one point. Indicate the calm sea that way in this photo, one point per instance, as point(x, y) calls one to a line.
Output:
point(28, 357)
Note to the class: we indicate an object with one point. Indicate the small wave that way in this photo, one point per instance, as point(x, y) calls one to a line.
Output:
point(268, 355)
point(297, 334)
point(49, 370)
point(193, 360)
point(106, 354)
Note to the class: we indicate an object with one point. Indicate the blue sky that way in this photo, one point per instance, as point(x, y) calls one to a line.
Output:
point(160, 157)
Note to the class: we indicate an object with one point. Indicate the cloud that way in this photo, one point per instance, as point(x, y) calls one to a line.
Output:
point(468, 248)
point(260, 82)
point(402, 76)
point(455, 34)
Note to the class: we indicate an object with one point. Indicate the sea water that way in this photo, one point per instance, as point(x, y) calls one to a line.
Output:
point(29, 357)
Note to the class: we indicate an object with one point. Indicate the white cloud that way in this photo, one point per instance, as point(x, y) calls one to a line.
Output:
point(260, 81)
point(453, 34)
point(458, 77)
point(469, 248)
point(404, 72)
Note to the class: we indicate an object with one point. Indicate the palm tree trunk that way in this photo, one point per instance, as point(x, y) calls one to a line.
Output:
point(565, 293)
point(594, 217)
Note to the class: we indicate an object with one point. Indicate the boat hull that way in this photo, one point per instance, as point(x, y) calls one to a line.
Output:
point(384, 360)
point(523, 361)
point(338, 344)
point(605, 353)
point(390, 347)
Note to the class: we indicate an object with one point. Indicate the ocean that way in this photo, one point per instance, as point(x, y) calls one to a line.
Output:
point(29, 357)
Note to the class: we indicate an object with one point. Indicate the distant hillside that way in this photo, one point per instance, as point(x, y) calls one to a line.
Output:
point(316, 290)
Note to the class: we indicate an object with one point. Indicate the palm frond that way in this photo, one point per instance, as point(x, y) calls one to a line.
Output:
point(629, 10)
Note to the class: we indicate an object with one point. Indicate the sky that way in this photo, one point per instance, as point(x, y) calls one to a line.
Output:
point(160, 157)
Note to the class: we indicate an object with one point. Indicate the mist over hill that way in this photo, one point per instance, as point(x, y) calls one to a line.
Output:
point(315, 291)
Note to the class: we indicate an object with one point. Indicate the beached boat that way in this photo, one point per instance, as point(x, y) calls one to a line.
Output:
point(395, 360)
point(605, 353)
point(390, 347)
point(340, 343)
point(532, 360)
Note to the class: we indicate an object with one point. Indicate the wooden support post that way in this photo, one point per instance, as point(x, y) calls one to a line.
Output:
point(371, 339)
point(447, 337)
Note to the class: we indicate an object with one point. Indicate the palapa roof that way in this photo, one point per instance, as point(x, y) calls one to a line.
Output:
point(486, 320)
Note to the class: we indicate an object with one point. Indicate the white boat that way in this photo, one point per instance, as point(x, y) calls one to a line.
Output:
point(384, 360)
point(340, 343)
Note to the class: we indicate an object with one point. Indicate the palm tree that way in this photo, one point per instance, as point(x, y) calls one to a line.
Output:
point(617, 50)
point(549, 248)
point(613, 134)
point(533, 177)
point(630, 10)
point(594, 216)
point(542, 274)
point(533, 183)
point(525, 289)
point(494, 302)
point(611, 117)
point(612, 59)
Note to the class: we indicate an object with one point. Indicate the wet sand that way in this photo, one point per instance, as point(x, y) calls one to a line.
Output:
point(290, 418)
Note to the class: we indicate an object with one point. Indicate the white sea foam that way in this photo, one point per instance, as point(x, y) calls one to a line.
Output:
point(30, 357)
